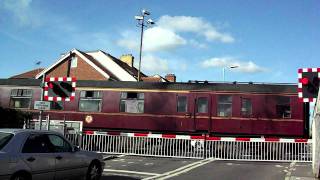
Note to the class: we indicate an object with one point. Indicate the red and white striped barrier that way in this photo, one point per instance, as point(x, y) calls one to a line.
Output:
point(195, 137)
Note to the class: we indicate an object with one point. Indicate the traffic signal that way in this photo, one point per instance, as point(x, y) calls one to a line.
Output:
point(308, 86)
point(59, 89)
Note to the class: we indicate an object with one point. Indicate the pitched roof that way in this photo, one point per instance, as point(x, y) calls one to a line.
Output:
point(109, 66)
point(28, 75)
point(97, 63)
point(131, 70)
point(155, 78)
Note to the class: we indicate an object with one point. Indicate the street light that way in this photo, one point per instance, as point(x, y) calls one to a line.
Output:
point(224, 69)
point(142, 23)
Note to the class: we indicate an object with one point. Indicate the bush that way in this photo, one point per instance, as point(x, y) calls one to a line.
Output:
point(11, 118)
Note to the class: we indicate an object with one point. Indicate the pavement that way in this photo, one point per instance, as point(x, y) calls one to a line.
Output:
point(136, 167)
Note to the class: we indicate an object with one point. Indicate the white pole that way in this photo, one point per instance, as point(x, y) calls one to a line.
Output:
point(223, 73)
point(41, 99)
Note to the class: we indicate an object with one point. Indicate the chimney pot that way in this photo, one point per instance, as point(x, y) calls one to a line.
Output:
point(128, 59)
point(171, 77)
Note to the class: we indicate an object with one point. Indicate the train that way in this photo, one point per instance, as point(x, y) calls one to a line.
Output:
point(194, 107)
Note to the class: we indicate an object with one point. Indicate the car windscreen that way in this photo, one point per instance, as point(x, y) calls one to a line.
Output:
point(4, 139)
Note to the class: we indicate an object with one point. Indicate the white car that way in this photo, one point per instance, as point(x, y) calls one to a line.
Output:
point(45, 155)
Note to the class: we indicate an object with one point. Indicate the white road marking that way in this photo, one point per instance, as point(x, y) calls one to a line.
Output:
point(180, 170)
point(291, 168)
point(131, 172)
point(148, 164)
point(279, 166)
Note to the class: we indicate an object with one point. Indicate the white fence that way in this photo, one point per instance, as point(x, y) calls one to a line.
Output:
point(198, 147)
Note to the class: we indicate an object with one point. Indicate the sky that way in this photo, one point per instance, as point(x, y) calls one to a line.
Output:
point(268, 40)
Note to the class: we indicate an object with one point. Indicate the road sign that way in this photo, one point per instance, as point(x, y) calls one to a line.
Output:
point(308, 85)
point(59, 88)
point(42, 105)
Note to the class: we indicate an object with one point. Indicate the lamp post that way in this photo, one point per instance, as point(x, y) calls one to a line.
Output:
point(142, 23)
point(224, 71)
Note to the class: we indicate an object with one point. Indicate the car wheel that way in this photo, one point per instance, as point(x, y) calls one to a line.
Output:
point(20, 176)
point(94, 171)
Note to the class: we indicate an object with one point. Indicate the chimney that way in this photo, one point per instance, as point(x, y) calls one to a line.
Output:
point(171, 77)
point(128, 59)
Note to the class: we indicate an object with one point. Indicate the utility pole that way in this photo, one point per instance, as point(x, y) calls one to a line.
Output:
point(142, 23)
point(224, 71)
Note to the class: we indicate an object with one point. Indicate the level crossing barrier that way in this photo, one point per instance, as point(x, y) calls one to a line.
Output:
point(196, 147)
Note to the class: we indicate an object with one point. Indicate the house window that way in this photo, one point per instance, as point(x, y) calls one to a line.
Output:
point(74, 62)
point(224, 105)
point(182, 104)
point(20, 98)
point(283, 107)
point(132, 102)
point(202, 105)
point(246, 107)
point(90, 101)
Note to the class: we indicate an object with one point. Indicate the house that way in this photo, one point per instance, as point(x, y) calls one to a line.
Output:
point(94, 65)
point(158, 78)
point(28, 75)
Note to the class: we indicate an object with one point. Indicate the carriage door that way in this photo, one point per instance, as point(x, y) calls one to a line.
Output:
point(202, 108)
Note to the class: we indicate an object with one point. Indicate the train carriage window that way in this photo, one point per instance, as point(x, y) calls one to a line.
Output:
point(132, 102)
point(20, 98)
point(246, 107)
point(182, 104)
point(202, 105)
point(283, 107)
point(224, 105)
point(90, 101)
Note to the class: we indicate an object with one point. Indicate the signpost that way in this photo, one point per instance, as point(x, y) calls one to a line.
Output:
point(55, 89)
point(42, 105)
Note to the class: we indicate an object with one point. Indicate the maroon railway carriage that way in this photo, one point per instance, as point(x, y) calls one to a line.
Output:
point(246, 109)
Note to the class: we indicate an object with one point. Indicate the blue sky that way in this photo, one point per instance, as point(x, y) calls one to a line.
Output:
point(269, 40)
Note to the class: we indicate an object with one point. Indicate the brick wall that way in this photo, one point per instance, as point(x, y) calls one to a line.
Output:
point(83, 71)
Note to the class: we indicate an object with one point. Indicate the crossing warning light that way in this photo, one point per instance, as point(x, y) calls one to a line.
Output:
point(59, 88)
point(308, 85)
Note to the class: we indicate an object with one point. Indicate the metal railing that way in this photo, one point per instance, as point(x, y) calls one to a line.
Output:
point(259, 151)
point(198, 148)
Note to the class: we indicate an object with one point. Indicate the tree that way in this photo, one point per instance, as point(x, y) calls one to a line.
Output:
point(11, 118)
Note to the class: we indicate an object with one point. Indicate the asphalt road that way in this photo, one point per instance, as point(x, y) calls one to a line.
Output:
point(134, 167)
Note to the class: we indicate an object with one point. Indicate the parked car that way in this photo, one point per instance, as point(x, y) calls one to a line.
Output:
point(33, 154)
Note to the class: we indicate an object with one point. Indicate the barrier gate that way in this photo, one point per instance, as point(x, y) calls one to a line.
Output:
point(197, 147)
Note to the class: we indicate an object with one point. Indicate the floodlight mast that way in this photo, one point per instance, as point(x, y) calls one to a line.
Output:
point(224, 71)
point(142, 23)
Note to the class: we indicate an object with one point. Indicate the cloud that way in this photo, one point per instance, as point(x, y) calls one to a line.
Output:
point(155, 39)
point(154, 65)
point(194, 25)
point(158, 38)
point(168, 34)
point(129, 40)
point(243, 66)
point(22, 12)
point(197, 44)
